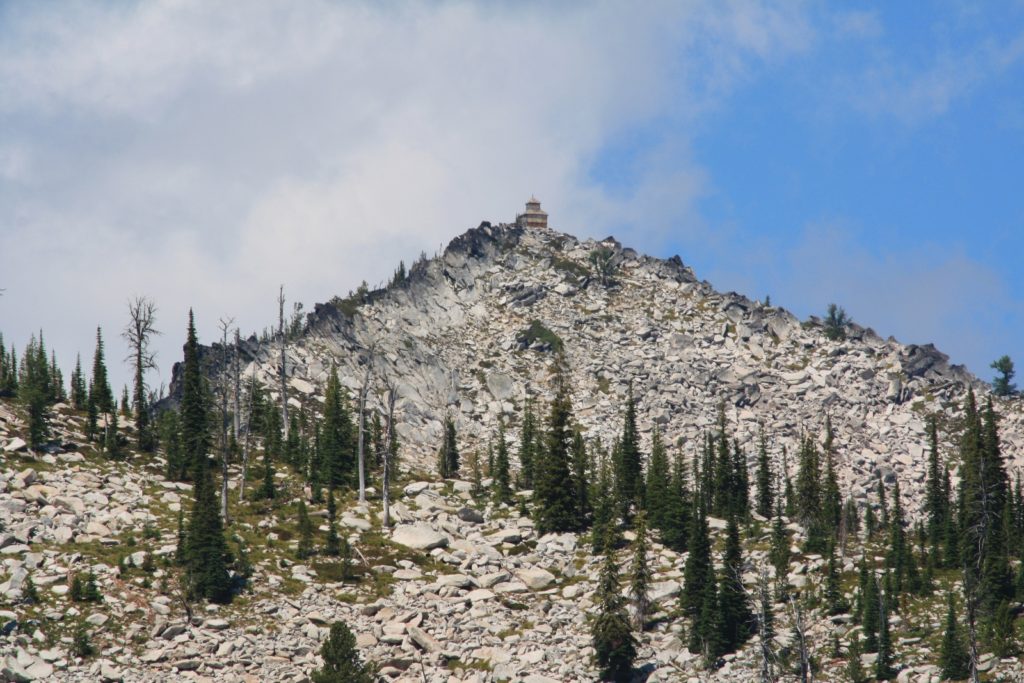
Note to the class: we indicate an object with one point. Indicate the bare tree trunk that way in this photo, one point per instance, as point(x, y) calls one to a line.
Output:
point(248, 440)
point(764, 601)
point(390, 396)
point(284, 386)
point(138, 332)
point(363, 390)
point(225, 323)
point(806, 674)
point(236, 373)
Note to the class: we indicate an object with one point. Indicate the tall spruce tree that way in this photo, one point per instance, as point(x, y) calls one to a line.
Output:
point(677, 511)
point(337, 451)
point(628, 474)
point(528, 443)
point(831, 498)
point(342, 663)
point(332, 546)
point(79, 392)
point(765, 496)
point(195, 423)
point(206, 552)
point(640, 575)
point(658, 484)
point(936, 503)
point(305, 525)
point(605, 527)
point(34, 389)
point(500, 474)
point(448, 454)
point(737, 617)
point(555, 500)
point(884, 662)
point(809, 497)
point(698, 571)
point(580, 479)
point(100, 386)
point(613, 640)
point(954, 660)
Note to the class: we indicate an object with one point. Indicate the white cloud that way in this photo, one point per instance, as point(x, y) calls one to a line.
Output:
point(203, 153)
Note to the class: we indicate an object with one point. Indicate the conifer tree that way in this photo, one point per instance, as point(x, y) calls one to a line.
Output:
point(883, 663)
point(305, 547)
point(657, 486)
point(628, 474)
point(555, 500)
point(605, 520)
point(854, 667)
point(100, 387)
point(789, 496)
point(614, 643)
point(834, 600)
point(342, 663)
point(830, 496)
point(337, 452)
point(580, 480)
point(953, 657)
point(936, 503)
point(734, 607)
point(780, 551)
point(267, 489)
point(502, 483)
point(333, 545)
point(206, 556)
point(528, 439)
point(698, 571)
point(809, 497)
point(79, 393)
point(448, 454)
point(677, 512)
point(112, 439)
point(871, 616)
point(765, 501)
point(1003, 385)
point(195, 424)
point(34, 390)
point(640, 574)
point(708, 625)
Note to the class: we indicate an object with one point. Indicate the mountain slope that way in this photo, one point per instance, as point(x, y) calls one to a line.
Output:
point(455, 338)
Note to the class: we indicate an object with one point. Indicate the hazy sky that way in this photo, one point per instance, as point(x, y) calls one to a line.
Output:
point(203, 153)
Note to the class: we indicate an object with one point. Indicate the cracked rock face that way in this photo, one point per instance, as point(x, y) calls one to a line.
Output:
point(451, 338)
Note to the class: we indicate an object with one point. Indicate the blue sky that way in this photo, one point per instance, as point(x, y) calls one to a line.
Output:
point(862, 153)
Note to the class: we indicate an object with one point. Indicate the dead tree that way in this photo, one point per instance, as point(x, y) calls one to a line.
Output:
point(800, 629)
point(138, 332)
point(236, 375)
point(284, 386)
point(248, 438)
point(225, 323)
point(363, 391)
point(390, 396)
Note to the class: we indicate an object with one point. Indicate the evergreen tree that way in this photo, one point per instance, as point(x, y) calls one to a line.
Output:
point(765, 496)
point(809, 497)
point(954, 659)
point(267, 489)
point(1003, 385)
point(677, 513)
point(448, 454)
point(628, 474)
point(500, 474)
point(640, 574)
point(170, 437)
point(614, 644)
point(195, 423)
point(936, 503)
point(337, 454)
point(698, 571)
point(605, 520)
point(555, 500)
point(34, 390)
point(112, 439)
point(580, 480)
point(333, 545)
point(79, 393)
point(737, 618)
point(528, 439)
point(305, 547)
point(871, 614)
point(181, 549)
point(835, 602)
point(883, 663)
point(836, 322)
point(100, 387)
point(57, 393)
point(708, 625)
point(206, 556)
point(830, 496)
point(779, 553)
point(342, 663)
point(658, 483)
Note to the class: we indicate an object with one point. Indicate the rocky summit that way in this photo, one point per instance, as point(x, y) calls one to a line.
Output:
point(460, 584)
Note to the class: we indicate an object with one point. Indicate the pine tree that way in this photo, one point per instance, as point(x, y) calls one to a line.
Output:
point(698, 571)
point(555, 500)
point(953, 657)
point(658, 482)
point(527, 447)
point(342, 663)
point(112, 439)
point(333, 545)
point(1003, 385)
point(835, 602)
point(935, 503)
point(79, 393)
point(580, 480)
point(677, 511)
point(614, 644)
point(605, 526)
point(708, 625)
point(206, 556)
point(883, 663)
point(780, 551)
point(267, 489)
point(809, 497)
point(854, 667)
point(765, 496)
point(100, 387)
point(640, 575)
point(448, 455)
point(737, 617)
point(337, 454)
point(305, 548)
point(34, 390)
point(871, 615)
point(830, 496)
point(628, 475)
point(502, 484)
point(195, 423)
